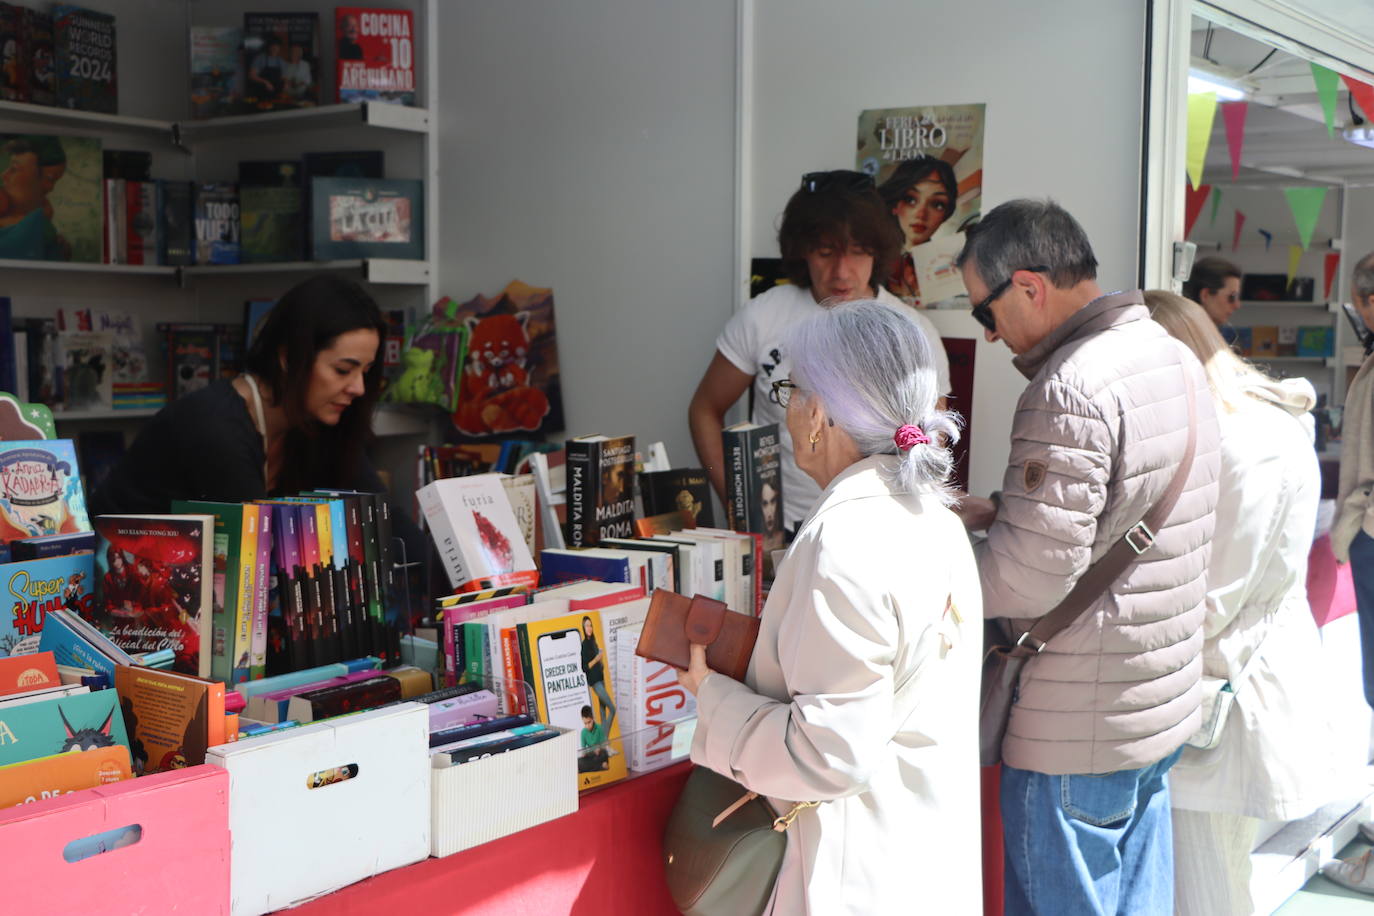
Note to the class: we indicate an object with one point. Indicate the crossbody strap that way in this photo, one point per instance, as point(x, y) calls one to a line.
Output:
point(1118, 558)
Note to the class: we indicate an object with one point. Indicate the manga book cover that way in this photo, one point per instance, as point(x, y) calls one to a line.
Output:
point(927, 161)
point(154, 585)
point(40, 489)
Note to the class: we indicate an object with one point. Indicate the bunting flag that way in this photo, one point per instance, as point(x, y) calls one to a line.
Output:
point(1234, 115)
point(1235, 239)
point(1202, 109)
point(1192, 206)
point(1216, 205)
point(1268, 237)
point(1294, 256)
point(1306, 204)
point(1333, 259)
point(1363, 94)
point(1327, 83)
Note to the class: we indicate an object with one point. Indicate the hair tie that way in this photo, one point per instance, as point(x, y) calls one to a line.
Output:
point(908, 435)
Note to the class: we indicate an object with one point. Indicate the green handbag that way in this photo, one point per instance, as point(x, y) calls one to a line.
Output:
point(723, 847)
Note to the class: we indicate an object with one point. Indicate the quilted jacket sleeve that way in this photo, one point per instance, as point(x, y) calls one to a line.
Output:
point(1054, 490)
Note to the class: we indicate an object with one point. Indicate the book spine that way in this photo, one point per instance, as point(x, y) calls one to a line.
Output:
point(257, 659)
point(472, 650)
point(246, 571)
point(583, 482)
point(450, 654)
point(526, 676)
point(736, 480)
point(510, 667)
point(432, 505)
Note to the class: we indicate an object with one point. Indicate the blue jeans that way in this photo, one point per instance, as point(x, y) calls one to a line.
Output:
point(1090, 845)
point(1362, 572)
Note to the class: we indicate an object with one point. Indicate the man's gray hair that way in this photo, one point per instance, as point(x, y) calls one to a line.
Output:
point(1362, 280)
point(1026, 233)
point(873, 369)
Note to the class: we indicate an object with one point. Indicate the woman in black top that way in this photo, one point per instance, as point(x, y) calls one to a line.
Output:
point(298, 418)
point(593, 665)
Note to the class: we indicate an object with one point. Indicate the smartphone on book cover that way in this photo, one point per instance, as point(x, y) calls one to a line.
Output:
point(560, 672)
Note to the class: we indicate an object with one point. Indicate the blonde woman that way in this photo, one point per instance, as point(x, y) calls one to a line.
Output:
point(1260, 639)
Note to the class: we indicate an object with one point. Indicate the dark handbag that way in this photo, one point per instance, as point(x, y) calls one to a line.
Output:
point(723, 847)
point(1003, 660)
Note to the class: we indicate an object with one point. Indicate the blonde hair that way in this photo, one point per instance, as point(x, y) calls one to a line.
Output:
point(1228, 375)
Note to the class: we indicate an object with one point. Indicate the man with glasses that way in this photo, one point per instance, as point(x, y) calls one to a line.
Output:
point(837, 240)
point(1104, 707)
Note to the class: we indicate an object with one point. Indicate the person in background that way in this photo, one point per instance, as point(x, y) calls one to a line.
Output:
point(1261, 643)
point(862, 691)
point(921, 194)
point(1214, 284)
point(1104, 707)
point(838, 240)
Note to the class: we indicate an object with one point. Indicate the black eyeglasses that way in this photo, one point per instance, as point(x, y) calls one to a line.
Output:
point(836, 180)
point(781, 392)
point(982, 312)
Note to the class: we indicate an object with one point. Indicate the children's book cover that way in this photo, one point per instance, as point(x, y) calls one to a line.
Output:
point(171, 718)
point(81, 722)
point(571, 676)
point(51, 205)
point(41, 78)
point(155, 585)
point(375, 59)
point(216, 70)
point(927, 161)
point(87, 369)
point(281, 61)
point(40, 489)
point(62, 774)
point(30, 589)
point(511, 381)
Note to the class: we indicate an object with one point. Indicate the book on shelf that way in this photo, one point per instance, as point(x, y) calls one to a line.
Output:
point(271, 208)
point(26, 673)
point(281, 61)
point(600, 476)
point(1316, 341)
point(129, 360)
point(54, 203)
point(374, 55)
point(478, 536)
point(142, 226)
point(1287, 344)
point(155, 585)
point(80, 722)
point(234, 594)
point(75, 642)
point(666, 523)
point(216, 70)
point(52, 545)
point(40, 489)
point(38, 58)
point(217, 223)
point(367, 218)
point(171, 717)
point(34, 589)
point(86, 63)
point(176, 209)
point(753, 481)
point(521, 492)
point(654, 704)
point(87, 369)
point(681, 489)
point(1265, 340)
point(62, 774)
point(14, 46)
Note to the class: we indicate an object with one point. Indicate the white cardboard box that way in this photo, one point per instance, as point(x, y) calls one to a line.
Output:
point(482, 800)
point(292, 842)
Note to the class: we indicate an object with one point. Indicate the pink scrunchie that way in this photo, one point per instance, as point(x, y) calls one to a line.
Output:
point(908, 435)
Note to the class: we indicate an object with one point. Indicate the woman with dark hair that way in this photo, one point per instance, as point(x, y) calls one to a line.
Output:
point(1214, 284)
point(594, 667)
point(921, 194)
point(299, 417)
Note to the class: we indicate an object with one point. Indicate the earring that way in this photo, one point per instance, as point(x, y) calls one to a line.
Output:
point(814, 438)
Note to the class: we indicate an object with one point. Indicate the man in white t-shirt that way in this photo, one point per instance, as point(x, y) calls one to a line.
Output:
point(835, 235)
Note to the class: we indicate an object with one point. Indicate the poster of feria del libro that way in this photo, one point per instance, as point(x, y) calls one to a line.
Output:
point(927, 161)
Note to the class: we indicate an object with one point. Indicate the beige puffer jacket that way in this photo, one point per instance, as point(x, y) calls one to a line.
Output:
point(1095, 441)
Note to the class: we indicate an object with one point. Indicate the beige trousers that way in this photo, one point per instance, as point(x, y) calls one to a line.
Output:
point(1212, 863)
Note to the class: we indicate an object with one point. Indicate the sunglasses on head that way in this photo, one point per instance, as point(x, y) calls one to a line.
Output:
point(982, 312)
point(836, 180)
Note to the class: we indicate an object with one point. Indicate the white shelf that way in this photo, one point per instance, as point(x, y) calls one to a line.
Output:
point(150, 270)
point(356, 114)
point(1289, 360)
point(64, 117)
point(383, 271)
point(1250, 303)
point(103, 413)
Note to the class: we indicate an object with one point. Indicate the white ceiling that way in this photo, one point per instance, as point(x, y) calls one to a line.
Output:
point(1285, 134)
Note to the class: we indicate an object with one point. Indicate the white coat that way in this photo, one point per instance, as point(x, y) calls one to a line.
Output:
point(863, 694)
point(1272, 762)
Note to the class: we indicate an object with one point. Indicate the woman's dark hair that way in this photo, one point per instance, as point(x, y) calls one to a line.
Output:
point(837, 216)
point(1209, 274)
point(914, 170)
point(306, 320)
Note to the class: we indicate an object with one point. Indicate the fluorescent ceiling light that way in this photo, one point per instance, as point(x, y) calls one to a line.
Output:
point(1199, 82)
point(1360, 136)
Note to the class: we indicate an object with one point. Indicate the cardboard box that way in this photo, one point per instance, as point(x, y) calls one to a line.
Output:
point(482, 800)
point(177, 860)
point(293, 842)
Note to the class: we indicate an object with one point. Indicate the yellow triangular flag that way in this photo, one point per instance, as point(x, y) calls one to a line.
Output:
point(1202, 108)
point(1294, 256)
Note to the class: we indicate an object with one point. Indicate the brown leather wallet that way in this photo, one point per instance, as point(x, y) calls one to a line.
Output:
point(674, 622)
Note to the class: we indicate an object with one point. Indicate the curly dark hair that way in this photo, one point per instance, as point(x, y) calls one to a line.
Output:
point(838, 217)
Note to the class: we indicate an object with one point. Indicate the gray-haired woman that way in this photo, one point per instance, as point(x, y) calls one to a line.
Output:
point(862, 692)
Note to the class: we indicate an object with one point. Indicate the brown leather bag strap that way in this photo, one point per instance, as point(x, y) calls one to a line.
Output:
point(1118, 558)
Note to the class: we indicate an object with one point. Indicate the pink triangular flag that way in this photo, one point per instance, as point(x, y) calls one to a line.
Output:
point(1192, 206)
point(1363, 93)
point(1235, 239)
point(1234, 114)
point(1333, 260)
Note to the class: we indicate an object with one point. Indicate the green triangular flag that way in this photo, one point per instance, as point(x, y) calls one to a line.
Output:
point(1216, 202)
point(1328, 81)
point(1306, 204)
